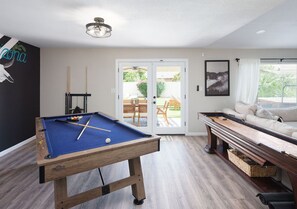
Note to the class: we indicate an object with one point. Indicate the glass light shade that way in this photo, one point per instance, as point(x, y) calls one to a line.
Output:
point(98, 29)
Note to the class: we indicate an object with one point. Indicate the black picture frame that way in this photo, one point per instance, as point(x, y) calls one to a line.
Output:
point(217, 78)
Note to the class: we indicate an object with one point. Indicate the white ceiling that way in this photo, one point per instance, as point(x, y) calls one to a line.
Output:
point(153, 23)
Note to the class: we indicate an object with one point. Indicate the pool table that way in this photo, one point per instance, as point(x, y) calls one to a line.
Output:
point(60, 153)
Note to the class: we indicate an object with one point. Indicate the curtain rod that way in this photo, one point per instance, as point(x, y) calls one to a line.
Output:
point(280, 59)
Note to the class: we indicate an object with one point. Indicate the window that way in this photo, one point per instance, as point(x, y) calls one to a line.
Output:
point(277, 85)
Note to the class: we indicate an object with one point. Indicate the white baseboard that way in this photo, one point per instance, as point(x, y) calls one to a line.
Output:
point(10, 149)
point(196, 134)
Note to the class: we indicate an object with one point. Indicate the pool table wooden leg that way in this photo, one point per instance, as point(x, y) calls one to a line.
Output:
point(137, 188)
point(211, 142)
point(60, 188)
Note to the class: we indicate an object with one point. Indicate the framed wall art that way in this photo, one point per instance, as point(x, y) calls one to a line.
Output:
point(217, 82)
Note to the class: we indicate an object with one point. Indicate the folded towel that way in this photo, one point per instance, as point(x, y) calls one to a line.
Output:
point(275, 197)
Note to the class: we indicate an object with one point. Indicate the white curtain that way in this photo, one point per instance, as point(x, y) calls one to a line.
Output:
point(248, 80)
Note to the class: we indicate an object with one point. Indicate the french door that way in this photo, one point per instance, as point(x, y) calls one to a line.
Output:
point(151, 95)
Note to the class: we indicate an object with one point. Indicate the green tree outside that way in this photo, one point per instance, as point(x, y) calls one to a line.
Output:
point(142, 87)
point(272, 82)
point(139, 75)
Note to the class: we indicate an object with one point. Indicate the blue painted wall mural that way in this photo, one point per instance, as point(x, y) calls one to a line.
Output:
point(19, 90)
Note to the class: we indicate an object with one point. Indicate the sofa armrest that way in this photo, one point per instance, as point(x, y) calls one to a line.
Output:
point(229, 111)
point(288, 114)
point(271, 124)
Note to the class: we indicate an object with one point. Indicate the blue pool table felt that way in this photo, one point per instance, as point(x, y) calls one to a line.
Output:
point(61, 138)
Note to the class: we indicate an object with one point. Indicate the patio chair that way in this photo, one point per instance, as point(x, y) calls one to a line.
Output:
point(141, 111)
point(129, 109)
point(163, 111)
point(174, 103)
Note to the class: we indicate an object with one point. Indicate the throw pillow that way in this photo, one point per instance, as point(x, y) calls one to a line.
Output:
point(263, 113)
point(246, 109)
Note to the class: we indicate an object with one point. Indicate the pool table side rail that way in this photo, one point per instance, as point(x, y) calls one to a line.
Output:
point(68, 115)
point(41, 144)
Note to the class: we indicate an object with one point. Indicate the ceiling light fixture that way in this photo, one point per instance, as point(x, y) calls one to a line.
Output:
point(98, 29)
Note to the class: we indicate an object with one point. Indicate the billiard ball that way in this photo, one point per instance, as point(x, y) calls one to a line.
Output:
point(107, 140)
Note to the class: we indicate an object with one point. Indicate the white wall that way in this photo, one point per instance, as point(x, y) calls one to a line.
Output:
point(101, 76)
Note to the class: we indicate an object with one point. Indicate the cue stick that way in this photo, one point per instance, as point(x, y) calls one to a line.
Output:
point(84, 128)
point(86, 79)
point(68, 79)
point(77, 124)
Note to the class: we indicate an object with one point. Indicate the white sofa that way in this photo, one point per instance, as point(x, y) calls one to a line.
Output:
point(282, 120)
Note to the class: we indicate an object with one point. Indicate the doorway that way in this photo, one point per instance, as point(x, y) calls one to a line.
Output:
point(151, 95)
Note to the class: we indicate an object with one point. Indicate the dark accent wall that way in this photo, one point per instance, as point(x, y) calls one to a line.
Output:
point(20, 100)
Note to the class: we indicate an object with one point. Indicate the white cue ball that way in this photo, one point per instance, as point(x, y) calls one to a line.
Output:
point(107, 140)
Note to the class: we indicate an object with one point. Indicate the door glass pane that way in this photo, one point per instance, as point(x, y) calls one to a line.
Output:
point(168, 96)
point(135, 95)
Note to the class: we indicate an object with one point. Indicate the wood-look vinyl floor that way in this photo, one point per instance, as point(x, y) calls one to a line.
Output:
point(180, 176)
